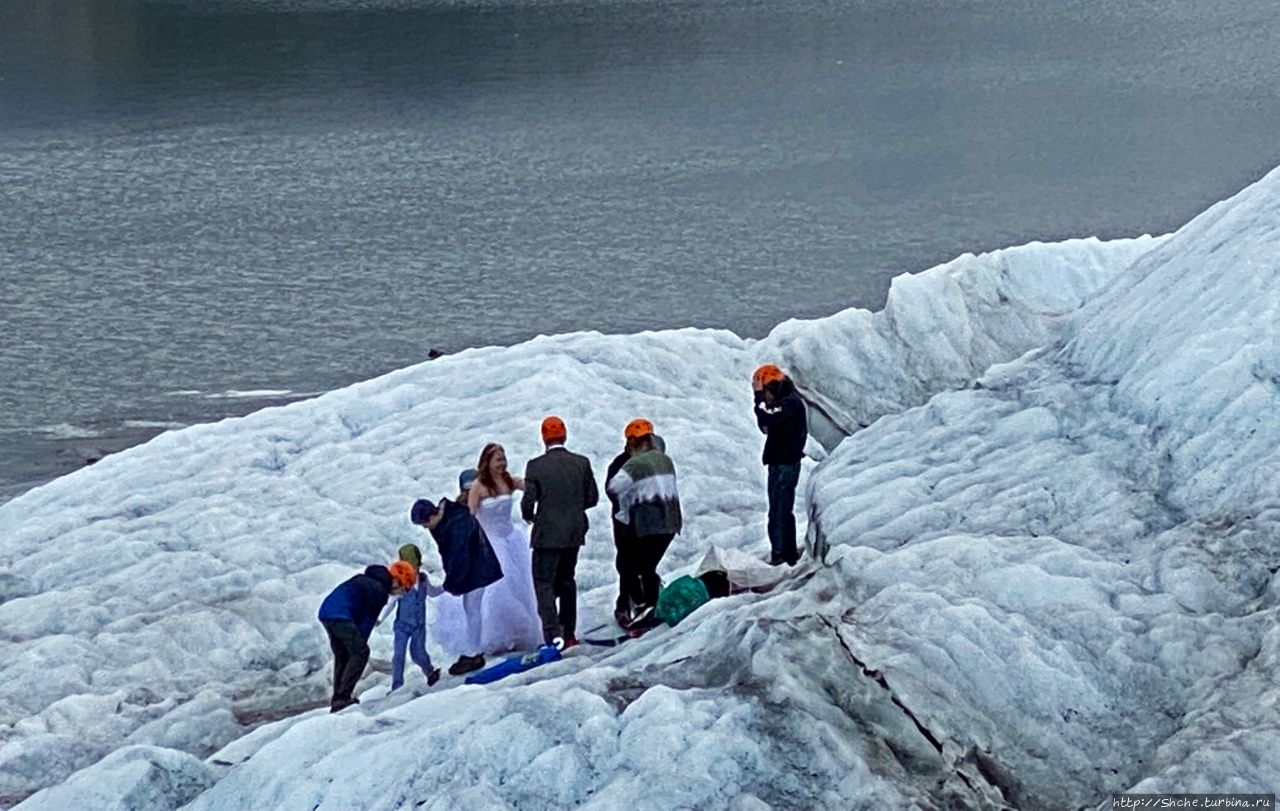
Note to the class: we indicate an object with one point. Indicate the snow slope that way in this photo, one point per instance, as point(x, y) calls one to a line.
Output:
point(1091, 534)
point(1053, 540)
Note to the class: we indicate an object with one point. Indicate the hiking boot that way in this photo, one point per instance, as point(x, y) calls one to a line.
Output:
point(622, 617)
point(340, 704)
point(433, 676)
point(466, 664)
point(778, 560)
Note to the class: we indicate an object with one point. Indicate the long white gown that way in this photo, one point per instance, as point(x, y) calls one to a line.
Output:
point(510, 611)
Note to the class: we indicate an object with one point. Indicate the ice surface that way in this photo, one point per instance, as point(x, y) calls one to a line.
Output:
point(1052, 524)
point(942, 329)
point(1077, 557)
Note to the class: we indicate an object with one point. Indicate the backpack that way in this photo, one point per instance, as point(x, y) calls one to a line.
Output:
point(679, 599)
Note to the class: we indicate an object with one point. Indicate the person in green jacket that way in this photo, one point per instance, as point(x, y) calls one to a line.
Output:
point(648, 501)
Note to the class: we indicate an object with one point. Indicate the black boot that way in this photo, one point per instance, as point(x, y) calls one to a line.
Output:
point(466, 664)
point(340, 704)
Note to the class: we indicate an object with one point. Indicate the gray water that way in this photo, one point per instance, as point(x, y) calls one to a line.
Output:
point(205, 198)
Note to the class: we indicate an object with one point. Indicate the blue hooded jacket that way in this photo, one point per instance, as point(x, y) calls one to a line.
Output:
point(359, 599)
point(469, 561)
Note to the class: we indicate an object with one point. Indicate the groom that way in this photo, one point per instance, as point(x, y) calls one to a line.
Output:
point(559, 488)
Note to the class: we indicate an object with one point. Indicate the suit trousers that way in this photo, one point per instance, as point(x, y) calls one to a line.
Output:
point(553, 582)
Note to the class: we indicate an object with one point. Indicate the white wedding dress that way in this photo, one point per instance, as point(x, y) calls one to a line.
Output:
point(510, 612)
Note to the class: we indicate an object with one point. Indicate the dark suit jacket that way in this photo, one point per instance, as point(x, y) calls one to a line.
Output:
point(559, 488)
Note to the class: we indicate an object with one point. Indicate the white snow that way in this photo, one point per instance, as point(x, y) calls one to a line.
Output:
point(1048, 491)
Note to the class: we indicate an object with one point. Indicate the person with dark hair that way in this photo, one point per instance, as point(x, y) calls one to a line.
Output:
point(348, 615)
point(465, 479)
point(648, 501)
point(559, 488)
point(469, 566)
point(781, 417)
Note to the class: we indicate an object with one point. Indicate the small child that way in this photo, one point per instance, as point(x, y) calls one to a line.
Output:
point(411, 622)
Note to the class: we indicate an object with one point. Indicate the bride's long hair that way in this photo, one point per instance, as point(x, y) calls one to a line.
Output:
point(485, 476)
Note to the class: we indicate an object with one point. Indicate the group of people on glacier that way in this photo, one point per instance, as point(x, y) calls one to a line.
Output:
point(505, 591)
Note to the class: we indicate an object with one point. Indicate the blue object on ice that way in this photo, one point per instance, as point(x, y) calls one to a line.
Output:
point(515, 664)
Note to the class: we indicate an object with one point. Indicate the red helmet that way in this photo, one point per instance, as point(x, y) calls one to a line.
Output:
point(767, 374)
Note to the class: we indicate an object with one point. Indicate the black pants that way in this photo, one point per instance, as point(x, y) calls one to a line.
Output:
point(782, 519)
point(553, 573)
point(630, 591)
point(649, 552)
point(350, 655)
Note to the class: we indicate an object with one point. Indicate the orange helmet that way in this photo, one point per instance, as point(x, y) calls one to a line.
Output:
point(767, 374)
point(553, 429)
point(403, 574)
point(637, 428)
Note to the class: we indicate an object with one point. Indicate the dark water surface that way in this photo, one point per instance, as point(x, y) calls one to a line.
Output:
point(210, 206)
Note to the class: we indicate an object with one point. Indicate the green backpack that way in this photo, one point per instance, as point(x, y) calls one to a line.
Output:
point(679, 599)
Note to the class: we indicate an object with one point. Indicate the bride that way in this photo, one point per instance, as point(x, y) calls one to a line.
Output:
point(510, 609)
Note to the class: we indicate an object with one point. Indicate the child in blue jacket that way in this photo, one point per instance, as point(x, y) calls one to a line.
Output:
point(411, 622)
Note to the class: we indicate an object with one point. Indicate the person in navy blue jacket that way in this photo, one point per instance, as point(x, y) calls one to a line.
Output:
point(781, 417)
point(469, 562)
point(348, 615)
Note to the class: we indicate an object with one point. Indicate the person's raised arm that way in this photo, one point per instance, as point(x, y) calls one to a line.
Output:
point(772, 410)
point(761, 409)
point(475, 495)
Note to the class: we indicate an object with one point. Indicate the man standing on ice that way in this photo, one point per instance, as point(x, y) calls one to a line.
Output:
point(781, 416)
point(559, 488)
